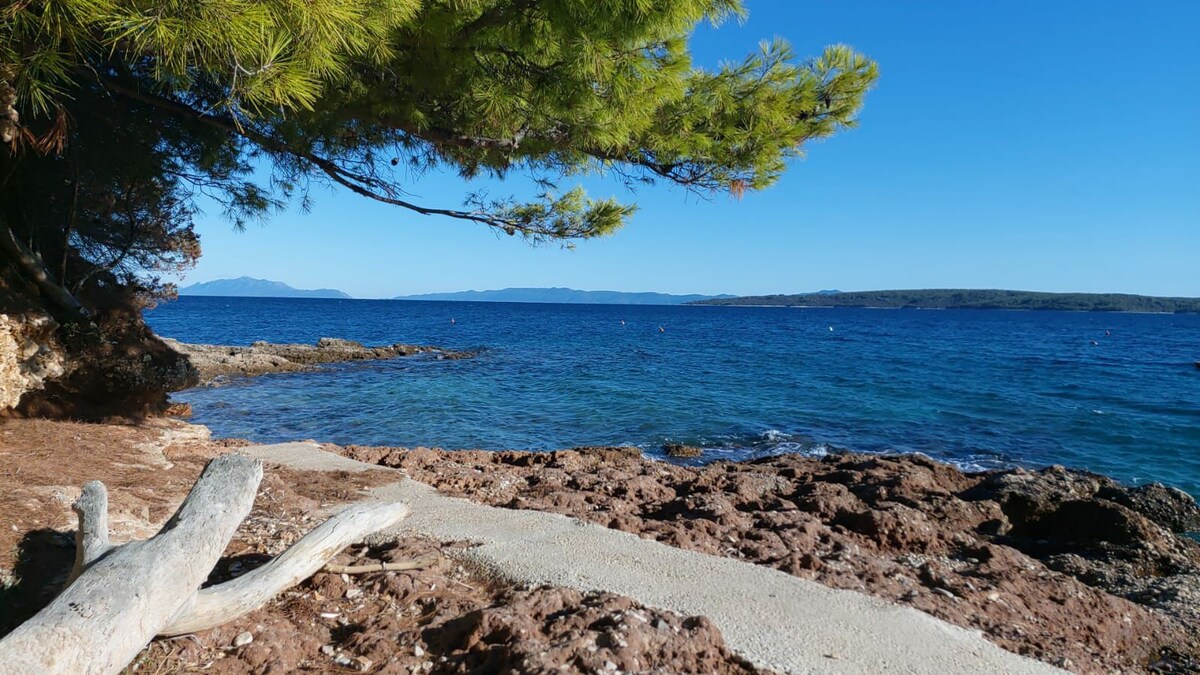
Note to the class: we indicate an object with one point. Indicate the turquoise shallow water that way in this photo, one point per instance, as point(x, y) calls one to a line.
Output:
point(975, 387)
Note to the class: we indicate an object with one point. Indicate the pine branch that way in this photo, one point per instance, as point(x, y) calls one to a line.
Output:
point(358, 183)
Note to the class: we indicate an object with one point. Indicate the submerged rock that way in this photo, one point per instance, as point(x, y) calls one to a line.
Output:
point(680, 450)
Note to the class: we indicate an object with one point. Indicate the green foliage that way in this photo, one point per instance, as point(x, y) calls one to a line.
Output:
point(973, 299)
point(366, 94)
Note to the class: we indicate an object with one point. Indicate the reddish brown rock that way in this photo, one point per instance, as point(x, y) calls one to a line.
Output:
point(549, 630)
point(1063, 566)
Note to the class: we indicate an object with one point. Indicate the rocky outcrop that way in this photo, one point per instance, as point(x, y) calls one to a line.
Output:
point(681, 451)
point(1067, 567)
point(85, 370)
point(260, 358)
point(1124, 540)
point(30, 354)
point(94, 363)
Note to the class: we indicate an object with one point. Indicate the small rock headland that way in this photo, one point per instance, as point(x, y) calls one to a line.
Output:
point(260, 358)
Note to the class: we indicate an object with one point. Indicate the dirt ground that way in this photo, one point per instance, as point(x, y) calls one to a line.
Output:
point(442, 618)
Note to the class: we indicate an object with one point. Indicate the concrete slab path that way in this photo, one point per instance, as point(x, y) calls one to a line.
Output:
point(770, 617)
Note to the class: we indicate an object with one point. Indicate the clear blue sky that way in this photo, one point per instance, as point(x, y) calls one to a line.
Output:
point(1023, 144)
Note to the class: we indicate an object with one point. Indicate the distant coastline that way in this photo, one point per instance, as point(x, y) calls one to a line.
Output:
point(249, 287)
point(970, 299)
point(566, 296)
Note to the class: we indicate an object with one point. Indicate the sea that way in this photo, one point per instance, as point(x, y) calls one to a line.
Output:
point(1114, 393)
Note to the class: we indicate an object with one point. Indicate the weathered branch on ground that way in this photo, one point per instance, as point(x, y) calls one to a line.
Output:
point(225, 602)
point(404, 565)
point(122, 597)
point(118, 604)
point(91, 539)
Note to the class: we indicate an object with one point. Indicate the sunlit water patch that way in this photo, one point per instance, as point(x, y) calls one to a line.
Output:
point(982, 389)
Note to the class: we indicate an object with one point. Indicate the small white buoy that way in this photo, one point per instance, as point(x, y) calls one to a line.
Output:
point(831, 329)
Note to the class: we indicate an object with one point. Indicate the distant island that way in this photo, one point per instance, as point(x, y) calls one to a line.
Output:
point(565, 296)
point(952, 298)
point(249, 287)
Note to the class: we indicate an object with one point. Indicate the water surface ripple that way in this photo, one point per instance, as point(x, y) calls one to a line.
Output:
point(976, 387)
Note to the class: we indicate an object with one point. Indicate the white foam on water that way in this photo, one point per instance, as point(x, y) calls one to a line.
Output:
point(773, 435)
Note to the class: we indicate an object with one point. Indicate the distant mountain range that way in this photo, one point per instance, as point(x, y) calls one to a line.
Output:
point(565, 296)
point(955, 298)
point(249, 287)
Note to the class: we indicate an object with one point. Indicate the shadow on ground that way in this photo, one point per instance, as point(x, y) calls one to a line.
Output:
point(44, 559)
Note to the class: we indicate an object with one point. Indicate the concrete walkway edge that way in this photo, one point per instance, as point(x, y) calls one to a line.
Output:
point(770, 617)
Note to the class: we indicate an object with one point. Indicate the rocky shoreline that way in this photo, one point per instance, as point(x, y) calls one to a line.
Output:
point(260, 358)
point(1066, 567)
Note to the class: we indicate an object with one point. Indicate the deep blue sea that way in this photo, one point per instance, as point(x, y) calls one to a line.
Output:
point(1113, 393)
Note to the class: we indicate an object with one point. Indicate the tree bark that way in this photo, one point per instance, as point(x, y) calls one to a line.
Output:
point(31, 266)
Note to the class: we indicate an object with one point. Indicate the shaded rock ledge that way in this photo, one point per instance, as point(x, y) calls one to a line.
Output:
point(260, 358)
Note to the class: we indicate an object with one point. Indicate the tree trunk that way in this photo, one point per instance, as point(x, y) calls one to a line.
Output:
point(100, 622)
point(36, 271)
point(124, 596)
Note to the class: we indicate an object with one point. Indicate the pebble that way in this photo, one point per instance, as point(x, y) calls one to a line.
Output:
point(661, 624)
point(352, 593)
point(243, 638)
point(327, 650)
point(946, 593)
point(418, 651)
point(364, 664)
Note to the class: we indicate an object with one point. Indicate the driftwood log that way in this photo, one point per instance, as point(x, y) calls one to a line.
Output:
point(120, 598)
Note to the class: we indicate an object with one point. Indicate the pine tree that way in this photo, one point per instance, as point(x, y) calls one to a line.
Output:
point(117, 114)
